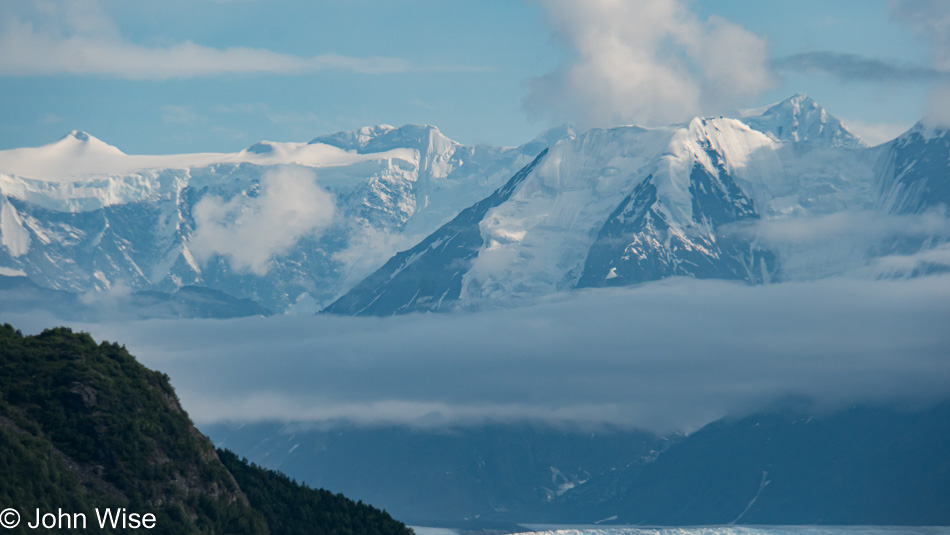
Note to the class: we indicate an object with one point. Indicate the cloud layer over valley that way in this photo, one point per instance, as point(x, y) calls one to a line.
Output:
point(671, 355)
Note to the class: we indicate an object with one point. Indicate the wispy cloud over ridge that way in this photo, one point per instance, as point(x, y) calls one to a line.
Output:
point(859, 68)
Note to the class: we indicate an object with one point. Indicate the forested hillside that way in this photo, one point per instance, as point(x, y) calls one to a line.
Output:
point(85, 426)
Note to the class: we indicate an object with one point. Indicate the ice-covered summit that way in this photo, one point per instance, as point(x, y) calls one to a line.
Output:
point(79, 154)
point(78, 141)
point(801, 119)
point(76, 150)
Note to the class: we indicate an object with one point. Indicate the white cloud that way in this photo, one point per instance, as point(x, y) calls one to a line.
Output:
point(25, 51)
point(647, 63)
point(77, 38)
point(249, 231)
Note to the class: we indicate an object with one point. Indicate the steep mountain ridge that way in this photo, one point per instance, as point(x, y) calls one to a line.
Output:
point(655, 234)
point(429, 274)
point(916, 170)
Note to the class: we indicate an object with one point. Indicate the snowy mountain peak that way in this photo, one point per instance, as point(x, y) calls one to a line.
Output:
point(78, 134)
point(800, 119)
point(77, 142)
point(75, 153)
point(478, 224)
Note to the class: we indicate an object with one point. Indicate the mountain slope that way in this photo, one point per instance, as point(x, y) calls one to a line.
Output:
point(429, 274)
point(785, 466)
point(640, 241)
point(915, 173)
point(513, 472)
point(83, 425)
point(862, 465)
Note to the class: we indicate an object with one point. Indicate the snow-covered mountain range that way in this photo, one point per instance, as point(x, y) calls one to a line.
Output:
point(786, 193)
point(279, 223)
point(789, 194)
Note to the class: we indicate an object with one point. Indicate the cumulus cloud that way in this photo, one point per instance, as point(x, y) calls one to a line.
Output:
point(646, 63)
point(77, 38)
point(249, 231)
point(671, 355)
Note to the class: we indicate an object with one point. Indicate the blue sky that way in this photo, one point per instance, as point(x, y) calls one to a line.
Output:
point(201, 75)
